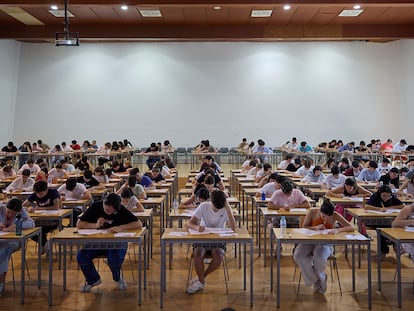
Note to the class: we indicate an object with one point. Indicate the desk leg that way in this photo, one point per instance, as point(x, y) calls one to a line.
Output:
point(379, 259)
point(39, 260)
point(369, 275)
point(139, 270)
point(162, 274)
point(271, 262)
point(353, 267)
point(23, 251)
point(64, 265)
point(251, 272)
point(50, 250)
point(278, 248)
point(398, 246)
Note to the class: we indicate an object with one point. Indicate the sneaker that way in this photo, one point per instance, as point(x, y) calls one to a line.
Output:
point(2, 289)
point(193, 280)
point(87, 287)
point(195, 287)
point(324, 285)
point(316, 287)
point(121, 284)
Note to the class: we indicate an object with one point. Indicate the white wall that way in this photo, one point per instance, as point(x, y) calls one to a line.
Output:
point(9, 66)
point(186, 92)
point(407, 90)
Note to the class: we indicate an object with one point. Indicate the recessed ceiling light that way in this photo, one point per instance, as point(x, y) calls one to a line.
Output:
point(53, 7)
point(261, 13)
point(150, 12)
point(286, 7)
point(217, 8)
point(124, 7)
point(60, 13)
point(357, 7)
point(350, 13)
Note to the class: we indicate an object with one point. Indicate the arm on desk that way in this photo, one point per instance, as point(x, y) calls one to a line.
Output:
point(403, 218)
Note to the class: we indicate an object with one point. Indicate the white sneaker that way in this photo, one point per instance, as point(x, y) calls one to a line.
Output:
point(121, 284)
point(195, 287)
point(193, 280)
point(87, 287)
point(324, 285)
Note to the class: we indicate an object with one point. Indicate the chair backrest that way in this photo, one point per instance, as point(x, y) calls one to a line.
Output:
point(181, 150)
point(224, 150)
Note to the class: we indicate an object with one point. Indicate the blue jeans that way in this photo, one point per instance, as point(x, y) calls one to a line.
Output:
point(115, 259)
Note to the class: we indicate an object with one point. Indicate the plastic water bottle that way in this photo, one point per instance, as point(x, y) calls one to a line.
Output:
point(263, 196)
point(175, 207)
point(19, 224)
point(283, 226)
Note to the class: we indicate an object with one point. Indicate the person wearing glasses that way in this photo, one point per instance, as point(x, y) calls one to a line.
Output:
point(108, 214)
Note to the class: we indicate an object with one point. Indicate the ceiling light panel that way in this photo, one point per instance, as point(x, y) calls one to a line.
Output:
point(261, 13)
point(350, 13)
point(60, 13)
point(150, 12)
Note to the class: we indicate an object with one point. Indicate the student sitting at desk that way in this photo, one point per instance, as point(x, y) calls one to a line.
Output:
point(71, 190)
point(407, 188)
point(314, 176)
point(312, 258)
point(89, 181)
point(214, 214)
point(136, 188)
point(7, 223)
point(58, 173)
point(288, 197)
point(392, 179)
point(370, 173)
point(43, 198)
point(22, 183)
point(334, 179)
point(200, 196)
point(130, 201)
point(404, 219)
point(111, 215)
point(31, 166)
point(380, 201)
point(274, 184)
point(7, 172)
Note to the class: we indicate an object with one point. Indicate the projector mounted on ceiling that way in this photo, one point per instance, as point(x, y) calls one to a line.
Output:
point(67, 38)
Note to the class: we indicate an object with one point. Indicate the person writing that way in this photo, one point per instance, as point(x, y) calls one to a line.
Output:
point(312, 258)
point(108, 214)
point(213, 214)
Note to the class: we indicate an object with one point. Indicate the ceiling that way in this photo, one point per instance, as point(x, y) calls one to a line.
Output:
point(199, 20)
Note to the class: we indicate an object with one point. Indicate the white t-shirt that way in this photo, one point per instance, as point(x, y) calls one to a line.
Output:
point(210, 218)
point(281, 199)
point(333, 182)
point(75, 194)
point(268, 189)
point(132, 203)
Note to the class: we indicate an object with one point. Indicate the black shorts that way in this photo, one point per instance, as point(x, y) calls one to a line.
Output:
point(210, 246)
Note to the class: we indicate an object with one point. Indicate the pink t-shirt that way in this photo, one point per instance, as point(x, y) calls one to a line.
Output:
point(281, 199)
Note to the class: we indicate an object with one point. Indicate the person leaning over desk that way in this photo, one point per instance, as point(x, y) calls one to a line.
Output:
point(404, 219)
point(7, 247)
point(108, 214)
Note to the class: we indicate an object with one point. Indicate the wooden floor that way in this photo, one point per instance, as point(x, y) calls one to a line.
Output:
point(213, 297)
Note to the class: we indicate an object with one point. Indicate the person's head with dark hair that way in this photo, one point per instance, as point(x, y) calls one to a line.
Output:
point(279, 181)
point(209, 181)
point(385, 193)
point(344, 162)
point(111, 203)
point(303, 143)
point(44, 170)
point(289, 156)
point(260, 142)
point(307, 162)
point(40, 188)
point(126, 193)
point(372, 165)
point(330, 163)
point(386, 160)
point(84, 159)
point(273, 176)
point(327, 208)
point(132, 181)
point(203, 194)
point(87, 174)
point(59, 166)
point(287, 187)
point(71, 183)
point(218, 199)
point(14, 205)
point(30, 162)
point(267, 167)
point(355, 164)
point(134, 171)
point(335, 170)
point(350, 181)
point(317, 170)
point(26, 172)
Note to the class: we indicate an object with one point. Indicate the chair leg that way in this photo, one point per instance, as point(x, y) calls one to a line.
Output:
point(12, 266)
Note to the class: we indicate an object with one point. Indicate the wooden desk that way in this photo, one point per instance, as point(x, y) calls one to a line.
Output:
point(243, 238)
point(361, 214)
point(147, 216)
point(22, 240)
point(397, 236)
point(158, 203)
point(268, 214)
point(54, 215)
point(293, 236)
point(97, 241)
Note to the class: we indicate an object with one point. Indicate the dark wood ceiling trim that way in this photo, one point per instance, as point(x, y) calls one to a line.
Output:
point(218, 32)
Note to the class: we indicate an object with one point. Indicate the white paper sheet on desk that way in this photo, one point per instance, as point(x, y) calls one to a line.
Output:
point(298, 210)
point(188, 212)
point(359, 237)
point(388, 211)
point(124, 234)
point(47, 212)
point(149, 199)
point(4, 233)
point(91, 231)
point(138, 213)
point(409, 229)
point(310, 232)
point(177, 233)
point(212, 230)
